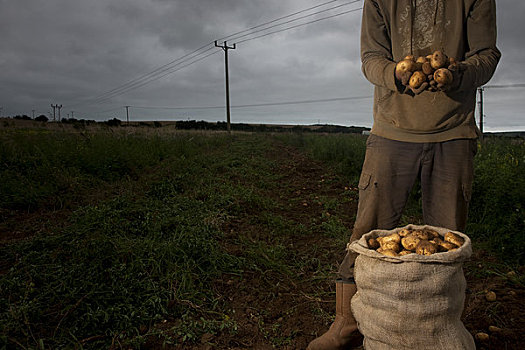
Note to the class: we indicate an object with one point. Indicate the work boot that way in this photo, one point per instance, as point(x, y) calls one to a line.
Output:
point(343, 332)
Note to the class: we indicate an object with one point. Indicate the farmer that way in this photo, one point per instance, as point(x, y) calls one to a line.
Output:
point(416, 132)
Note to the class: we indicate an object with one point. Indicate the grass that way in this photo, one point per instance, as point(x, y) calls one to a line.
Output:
point(496, 214)
point(345, 153)
point(149, 252)
point(152, 250)
point(497, 211)
point(127, 262)
point(39, 167)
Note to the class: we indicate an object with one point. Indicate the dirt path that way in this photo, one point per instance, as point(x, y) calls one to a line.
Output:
point(265, 306)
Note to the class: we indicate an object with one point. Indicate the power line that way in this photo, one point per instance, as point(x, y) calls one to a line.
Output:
point(261, 104)
point(167, 68)
point(517, 85)
point(277, 19)
point(140, 78)
point(106, 111)
point(136, 82)
point(144, 80)
point(303, 102)
point(153, 79)
point(294, 20)
point(159, 69)
point(298, 25)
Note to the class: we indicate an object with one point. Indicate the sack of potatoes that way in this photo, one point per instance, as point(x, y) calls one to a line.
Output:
point(411, 288)
point(432, 69)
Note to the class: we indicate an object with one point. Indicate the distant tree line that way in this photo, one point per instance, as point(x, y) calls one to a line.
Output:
point(43, 118)
point(203, 125)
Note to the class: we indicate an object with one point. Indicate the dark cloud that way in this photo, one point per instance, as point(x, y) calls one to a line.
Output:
point(67, 51)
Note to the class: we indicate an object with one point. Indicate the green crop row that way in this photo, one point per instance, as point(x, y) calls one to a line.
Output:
point(497, 209)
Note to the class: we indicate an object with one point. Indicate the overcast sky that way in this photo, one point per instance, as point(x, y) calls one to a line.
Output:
point(76, 52)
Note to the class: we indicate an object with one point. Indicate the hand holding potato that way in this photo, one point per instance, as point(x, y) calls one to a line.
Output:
point(435, 72)
point(456, 69)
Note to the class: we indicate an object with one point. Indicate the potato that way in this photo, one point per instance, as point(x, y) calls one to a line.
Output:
point(404, 232)
point(390, 245)
point(437, 240)
point(420, 241)
point(494, 329)
point(442, 245)
point(432, 233)
point(482, 337)
point(490, 296)
point(392, 237)
point(438, 60)
point(426, 248)
point(405, 66)
point(454, 239)
point(410, 242)
point(427, 68)
point(421, 59)
point(417, 79)
point(423, 235)
point(443, 76)
point(447, 246)
point(389, 252)
point(373, 243)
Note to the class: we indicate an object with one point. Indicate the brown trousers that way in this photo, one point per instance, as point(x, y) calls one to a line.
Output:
point(389, 172)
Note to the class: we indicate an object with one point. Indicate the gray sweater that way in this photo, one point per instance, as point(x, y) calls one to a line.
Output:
point(393, 29)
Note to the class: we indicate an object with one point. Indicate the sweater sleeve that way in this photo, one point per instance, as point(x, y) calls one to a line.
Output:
point(376, 50)
point(483, 55)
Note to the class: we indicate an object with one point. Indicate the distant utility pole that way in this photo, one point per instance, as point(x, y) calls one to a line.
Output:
point(54, 113)
point(127, 114)
point(72, 116)
point(59, 108)
point(33, 111)
point(480, 103)
point(225, 47)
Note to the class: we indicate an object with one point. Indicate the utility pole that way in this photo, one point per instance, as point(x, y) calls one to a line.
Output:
point(59, 108)
point(72, 116)
point(127, 114)
point(54, 114)
point(480, 103)
point(225, 47)
point(33, 112)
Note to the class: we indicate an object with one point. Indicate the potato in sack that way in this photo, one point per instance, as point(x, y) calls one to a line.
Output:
point(412, 298)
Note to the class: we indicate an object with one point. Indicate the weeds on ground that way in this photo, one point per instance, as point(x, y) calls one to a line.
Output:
point(497, 210)
point(496, 214)
point(344, 152)
point(42, 169)
point(124, 265)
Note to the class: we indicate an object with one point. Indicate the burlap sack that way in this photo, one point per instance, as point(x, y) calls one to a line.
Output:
point(413, 301)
